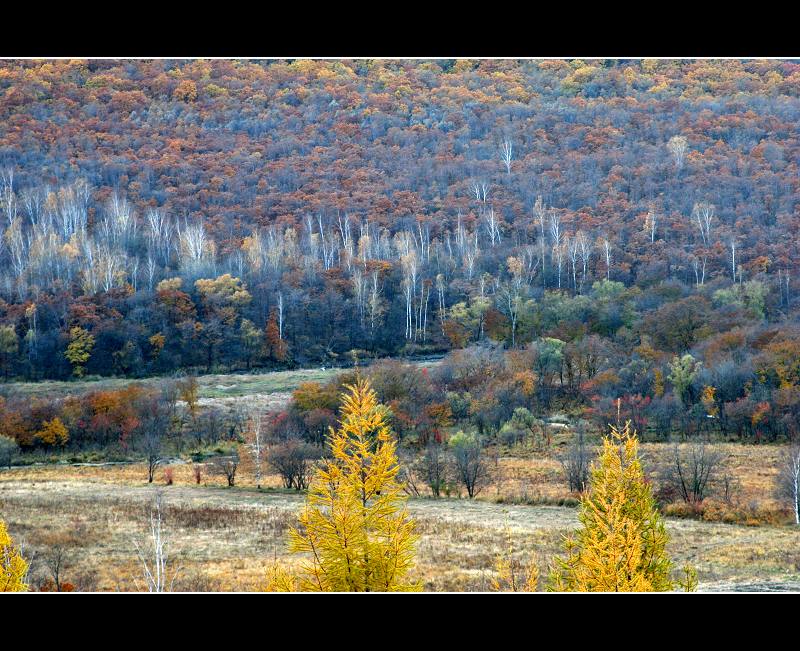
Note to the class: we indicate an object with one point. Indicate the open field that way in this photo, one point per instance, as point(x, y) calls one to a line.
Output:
point(269, 391)
point(223, 538)
point(211, 386)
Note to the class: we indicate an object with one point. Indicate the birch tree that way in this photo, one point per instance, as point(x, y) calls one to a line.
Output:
point(789, 479)
point(651, 224)
point(493, 227)
point(255, 445)
point(540, 213)
point(605, 243)
point(585, 251)
point(507, 154)
point(157, 567)
point(677, 146)
point(510, 295)
point(555, 237)
point(702, 216)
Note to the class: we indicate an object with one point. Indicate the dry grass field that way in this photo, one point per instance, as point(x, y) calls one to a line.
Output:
point(211, 386)
point(224, 538)
point(268, 391)
point(535, 477)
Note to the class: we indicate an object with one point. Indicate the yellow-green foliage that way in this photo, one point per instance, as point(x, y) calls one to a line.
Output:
point(79, 350)
point(53, 432)
point(355, 528)
point(621, 545)
point(13, 567)
point(511, 575)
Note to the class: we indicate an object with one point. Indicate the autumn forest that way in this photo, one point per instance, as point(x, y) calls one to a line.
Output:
point(542, 283)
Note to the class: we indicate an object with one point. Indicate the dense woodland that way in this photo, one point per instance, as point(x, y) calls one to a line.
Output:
point(591, 235)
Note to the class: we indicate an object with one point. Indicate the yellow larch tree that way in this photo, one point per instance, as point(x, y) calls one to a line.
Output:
point(13, 567)
point(355, 528)
point(511, 574)
point(621, 545)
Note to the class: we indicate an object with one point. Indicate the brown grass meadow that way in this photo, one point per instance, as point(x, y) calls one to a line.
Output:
point(223, 538)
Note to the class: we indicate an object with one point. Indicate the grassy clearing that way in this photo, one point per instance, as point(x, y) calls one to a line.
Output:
point(224, 538)
point(211, 386)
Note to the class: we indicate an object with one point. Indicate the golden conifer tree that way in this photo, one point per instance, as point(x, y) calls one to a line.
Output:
point(621, 545)
point(13, 567)
point(511, 575)
point(355, 526)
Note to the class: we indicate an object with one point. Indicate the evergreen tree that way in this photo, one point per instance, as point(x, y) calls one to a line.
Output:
point(13, 567)
point(621, 546)
point(355, 526)
point(512, 575)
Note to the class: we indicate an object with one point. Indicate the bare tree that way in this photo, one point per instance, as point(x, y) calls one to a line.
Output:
point(507, 154)
point(294, 461)
point(154, 426)
point(606, 244)
point(151, 446)
point(226, 466)
point(408, 475)
point(481, 191)
point(699, 267)
point(509, 295)
point(469, 462)
point(493, 226)
point(376, 303)
point(556, 237)
point(197, 250)
point(692, 473)
point(585, 251)
point(677, 146)
point(434, 468)
point(540, 212)
point(788, 481)
point(702, 216)
point(55, 558)
point(576, 461)
point(571, 246)
point(255, 445)
point(156, 565)
point(651, 223)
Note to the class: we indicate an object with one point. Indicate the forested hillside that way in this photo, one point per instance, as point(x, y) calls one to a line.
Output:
point(610, 217)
